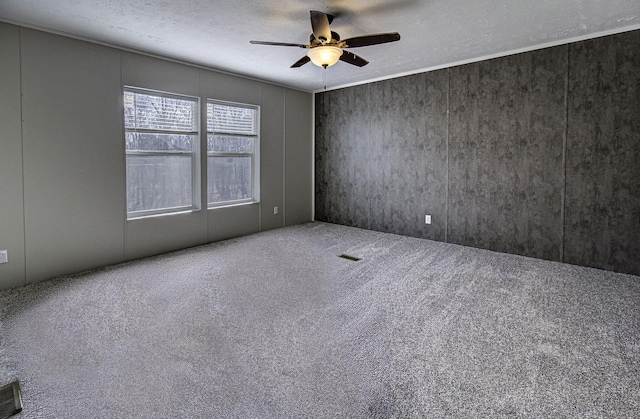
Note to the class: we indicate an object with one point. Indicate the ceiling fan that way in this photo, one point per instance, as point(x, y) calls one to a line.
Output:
point(326, 48)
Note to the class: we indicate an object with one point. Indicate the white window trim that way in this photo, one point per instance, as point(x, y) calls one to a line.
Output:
point(195, 157)
point(255, 156)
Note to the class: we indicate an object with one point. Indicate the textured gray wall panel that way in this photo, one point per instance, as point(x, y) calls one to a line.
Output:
point(506, 134)
point(409, 155)
point(343, 157)
point(539, 157)
point(602, 226)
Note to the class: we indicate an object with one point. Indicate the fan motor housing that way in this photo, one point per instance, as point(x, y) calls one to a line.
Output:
point(334, 37)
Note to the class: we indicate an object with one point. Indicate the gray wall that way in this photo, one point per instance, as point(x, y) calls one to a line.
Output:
point(11, 183)
point(62, 189)
point(533, 154)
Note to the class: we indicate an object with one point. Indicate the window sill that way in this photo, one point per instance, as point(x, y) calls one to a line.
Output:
point(232, 204)
point(164, 214)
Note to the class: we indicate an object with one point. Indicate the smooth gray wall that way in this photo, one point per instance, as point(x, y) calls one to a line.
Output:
point(11, 183)
point(533, 154)
point(73, 166)
point(298, 158)
point(62, 159)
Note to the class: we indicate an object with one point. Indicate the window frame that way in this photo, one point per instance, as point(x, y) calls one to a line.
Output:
point(255, 155)
point(194, 153)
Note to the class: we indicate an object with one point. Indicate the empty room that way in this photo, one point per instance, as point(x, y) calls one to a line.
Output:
point(319, 209)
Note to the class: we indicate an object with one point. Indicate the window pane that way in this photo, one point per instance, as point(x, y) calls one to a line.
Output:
point(231, 119)
point(221, 143)
point(156, 182)
point(229, 178)
point(159, 142)
point(142, 111)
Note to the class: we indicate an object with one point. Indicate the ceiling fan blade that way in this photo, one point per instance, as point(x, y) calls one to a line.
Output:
point(280, 44)
point(320, 26)
point(351, 58)
point(302, 61)
point(365, 40)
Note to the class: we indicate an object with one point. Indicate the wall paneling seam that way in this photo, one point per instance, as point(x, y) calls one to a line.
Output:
point(204, 159)
point(313, 156)
point(261, 143)
point(24, 205)
point(446, 193)
point(124, 164)
point(370, 152)
point(283, 208)
point(563, 195)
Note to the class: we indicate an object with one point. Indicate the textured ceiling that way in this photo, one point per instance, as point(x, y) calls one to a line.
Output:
point(435, 33)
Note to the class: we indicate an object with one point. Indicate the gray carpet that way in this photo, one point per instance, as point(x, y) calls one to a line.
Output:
point(276, 325)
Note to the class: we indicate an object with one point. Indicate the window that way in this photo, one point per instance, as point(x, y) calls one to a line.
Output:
point(162, 143)
point(232, 153)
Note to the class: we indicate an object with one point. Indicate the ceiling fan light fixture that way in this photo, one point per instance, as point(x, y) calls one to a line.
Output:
point(324, 56)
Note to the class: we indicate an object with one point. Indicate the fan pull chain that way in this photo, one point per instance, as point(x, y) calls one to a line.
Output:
point(324, 77)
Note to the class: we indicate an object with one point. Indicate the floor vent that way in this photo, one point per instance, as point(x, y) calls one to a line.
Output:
point(349, 257)
point(10, 400)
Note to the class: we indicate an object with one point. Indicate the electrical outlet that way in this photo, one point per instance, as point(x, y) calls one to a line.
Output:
point(4, 258)
point(427, 219)
point(275, 210)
